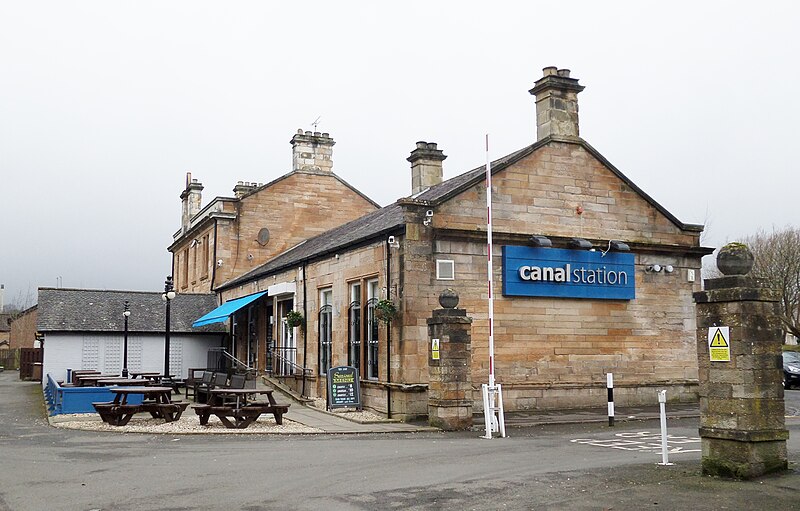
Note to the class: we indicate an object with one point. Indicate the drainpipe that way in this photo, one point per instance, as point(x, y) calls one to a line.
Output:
point(388, 334)
point(214, 260)
point(305, 330)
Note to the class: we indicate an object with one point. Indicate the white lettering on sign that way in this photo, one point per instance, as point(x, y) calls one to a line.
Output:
point(578, 275)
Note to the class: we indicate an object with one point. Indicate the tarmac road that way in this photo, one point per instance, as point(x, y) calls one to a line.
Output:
point(581, 467)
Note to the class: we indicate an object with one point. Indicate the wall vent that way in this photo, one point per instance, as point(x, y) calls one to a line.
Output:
point(445, 269)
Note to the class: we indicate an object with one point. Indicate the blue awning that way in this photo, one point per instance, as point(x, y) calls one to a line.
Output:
point(222, 312)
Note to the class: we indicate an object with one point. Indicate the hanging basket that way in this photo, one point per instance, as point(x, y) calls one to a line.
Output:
point(294, 318)
point(385, 311)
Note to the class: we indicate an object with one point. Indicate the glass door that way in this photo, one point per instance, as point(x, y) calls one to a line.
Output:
point(287, 349)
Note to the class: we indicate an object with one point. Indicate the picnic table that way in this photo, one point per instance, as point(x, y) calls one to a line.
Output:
point(130, 382)
point(150, 375)
point(235, 408)
point(90, 380)
point(156, 400)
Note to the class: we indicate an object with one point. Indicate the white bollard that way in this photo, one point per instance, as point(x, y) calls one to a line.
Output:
point(610, 387)
point(662, 402)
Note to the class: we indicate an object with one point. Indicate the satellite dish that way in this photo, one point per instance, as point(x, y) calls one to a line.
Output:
point(263, 236)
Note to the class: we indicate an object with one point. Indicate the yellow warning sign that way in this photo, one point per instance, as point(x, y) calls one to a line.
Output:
point(719, 340)
point(719, 348)
point(435, 349)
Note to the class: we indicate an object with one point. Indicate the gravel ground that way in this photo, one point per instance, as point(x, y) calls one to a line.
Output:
point(349, 413)
point(187, 424)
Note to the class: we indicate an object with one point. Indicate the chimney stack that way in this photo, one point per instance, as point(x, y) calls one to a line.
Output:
point(242, 188)
point(312, 151)
point(426, 166)
point(191, 201)
point(556, 104)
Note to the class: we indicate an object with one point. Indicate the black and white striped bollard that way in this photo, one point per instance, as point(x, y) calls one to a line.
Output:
point(610, 386)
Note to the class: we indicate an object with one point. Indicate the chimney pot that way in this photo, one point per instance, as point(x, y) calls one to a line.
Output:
point(564, 73)
point(550, 71)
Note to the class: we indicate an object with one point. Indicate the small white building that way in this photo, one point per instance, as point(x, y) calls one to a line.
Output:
point(84, 329)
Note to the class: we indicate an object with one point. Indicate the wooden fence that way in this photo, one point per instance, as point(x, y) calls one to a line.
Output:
point(9, 359)
point(27, 358)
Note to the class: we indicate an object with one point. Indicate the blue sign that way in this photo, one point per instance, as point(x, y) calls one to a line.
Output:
point(560, 273)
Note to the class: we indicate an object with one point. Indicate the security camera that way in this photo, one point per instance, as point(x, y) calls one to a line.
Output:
point(219, 262)
point(391, 240)
point(429, 213)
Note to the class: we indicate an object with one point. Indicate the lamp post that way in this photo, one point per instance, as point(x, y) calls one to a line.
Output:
point(125, 314)
point(168, 295)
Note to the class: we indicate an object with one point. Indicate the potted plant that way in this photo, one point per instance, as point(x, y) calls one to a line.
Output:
point(294, 318)
point(385, 310)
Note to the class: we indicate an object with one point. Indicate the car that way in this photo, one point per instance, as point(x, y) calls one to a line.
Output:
point(791, 368)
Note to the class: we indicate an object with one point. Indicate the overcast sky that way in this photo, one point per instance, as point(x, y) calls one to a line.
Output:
point(105, 105)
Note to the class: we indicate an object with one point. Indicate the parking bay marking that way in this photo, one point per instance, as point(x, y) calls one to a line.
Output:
point(643, 441)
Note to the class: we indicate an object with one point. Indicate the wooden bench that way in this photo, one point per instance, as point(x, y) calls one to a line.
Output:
point(168, 411)
point(242, 417)
point(116, 414)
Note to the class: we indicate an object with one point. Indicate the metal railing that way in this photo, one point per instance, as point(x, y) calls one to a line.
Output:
point(286, 365)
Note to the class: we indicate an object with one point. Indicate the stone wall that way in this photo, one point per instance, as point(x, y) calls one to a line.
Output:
point(299, 206)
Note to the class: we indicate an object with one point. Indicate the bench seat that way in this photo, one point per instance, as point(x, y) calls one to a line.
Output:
point(242, 417)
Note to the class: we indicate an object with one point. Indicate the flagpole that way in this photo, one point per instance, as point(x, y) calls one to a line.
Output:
point(492, 393)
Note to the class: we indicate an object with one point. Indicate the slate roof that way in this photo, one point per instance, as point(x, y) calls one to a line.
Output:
point(89, 310)
point(350, 234)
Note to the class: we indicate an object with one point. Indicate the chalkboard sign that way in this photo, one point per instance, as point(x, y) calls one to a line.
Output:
point(343, 389)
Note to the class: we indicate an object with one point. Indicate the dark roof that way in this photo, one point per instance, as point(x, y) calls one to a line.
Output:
point(351, 234)
point(390, 218)
point(89, 310)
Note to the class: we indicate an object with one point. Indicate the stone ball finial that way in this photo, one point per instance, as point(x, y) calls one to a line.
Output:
point(735, 259)
point(448, 299)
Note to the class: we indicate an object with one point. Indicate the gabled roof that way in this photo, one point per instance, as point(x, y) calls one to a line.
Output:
point(89, 310)
point(447, 189)
point(390, 218)
point(361, 230)
point(197, 220)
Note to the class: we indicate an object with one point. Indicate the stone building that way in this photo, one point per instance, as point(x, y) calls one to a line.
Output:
point(591, 276)
point(231, 236)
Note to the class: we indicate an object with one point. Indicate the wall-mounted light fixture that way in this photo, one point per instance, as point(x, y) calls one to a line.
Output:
point(579, 243)
point(541, 241)
point(616, 246)
point(653, 268)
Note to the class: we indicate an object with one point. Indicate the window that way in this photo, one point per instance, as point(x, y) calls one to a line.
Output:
point(354, 327)
point(325, 329)
point(206, 251)
point(184, 269)
point(445, 269)
point(372, 330)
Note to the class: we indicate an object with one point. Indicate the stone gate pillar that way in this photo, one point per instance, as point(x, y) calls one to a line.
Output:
point(450, 383)
point(742, 425)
